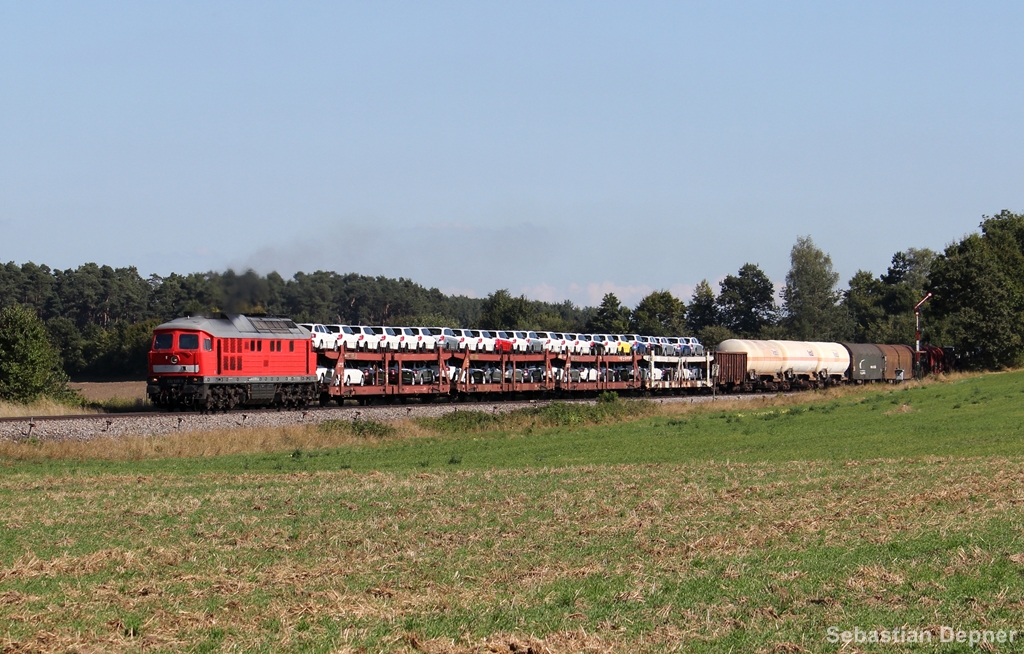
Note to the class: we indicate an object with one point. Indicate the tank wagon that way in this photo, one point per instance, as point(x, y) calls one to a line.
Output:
point(229, 360)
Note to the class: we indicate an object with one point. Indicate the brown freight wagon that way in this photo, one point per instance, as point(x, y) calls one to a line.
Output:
point(899, 362)
point(732, 368)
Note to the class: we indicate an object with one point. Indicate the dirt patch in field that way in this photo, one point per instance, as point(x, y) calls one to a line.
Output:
point(103, 391)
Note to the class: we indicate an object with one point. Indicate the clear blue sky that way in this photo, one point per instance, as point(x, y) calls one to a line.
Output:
point(557, 149)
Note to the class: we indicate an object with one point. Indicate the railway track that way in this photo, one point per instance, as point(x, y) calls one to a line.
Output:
point(154, 423)
point(147, 414)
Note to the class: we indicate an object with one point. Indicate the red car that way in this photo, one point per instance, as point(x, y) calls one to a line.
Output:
point(502, 342)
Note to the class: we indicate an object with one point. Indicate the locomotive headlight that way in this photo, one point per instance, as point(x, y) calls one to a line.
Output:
point(174, 360)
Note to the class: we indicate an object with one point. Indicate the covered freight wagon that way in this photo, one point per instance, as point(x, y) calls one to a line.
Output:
point(731, 369)
point(899, 362)
point(867, 362)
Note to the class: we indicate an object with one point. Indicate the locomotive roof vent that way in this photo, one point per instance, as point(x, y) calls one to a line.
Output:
point(217, 324)
point(274, 325)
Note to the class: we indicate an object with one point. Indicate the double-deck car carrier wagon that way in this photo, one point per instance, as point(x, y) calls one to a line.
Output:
point(393, 375)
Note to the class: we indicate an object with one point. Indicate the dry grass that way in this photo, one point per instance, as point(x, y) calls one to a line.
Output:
point(198, 444)
point(104, 391)
point(41, 407)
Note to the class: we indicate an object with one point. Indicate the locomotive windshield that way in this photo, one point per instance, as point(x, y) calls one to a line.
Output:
point(188, 341)
point(163, 342)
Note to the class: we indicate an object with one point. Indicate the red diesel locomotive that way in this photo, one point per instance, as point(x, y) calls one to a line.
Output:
point(224, 361)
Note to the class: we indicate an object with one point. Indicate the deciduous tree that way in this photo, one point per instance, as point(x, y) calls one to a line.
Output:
point(703, 311)
point(30, 366)
point(503, 311)
point(811, 301)
point(979, 293)
point(659, 314)
point(611, 317)
point(747, 301)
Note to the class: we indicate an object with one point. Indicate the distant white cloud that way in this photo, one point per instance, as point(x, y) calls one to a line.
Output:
point(682, 291)
point(454, 290)
point(544, 292)
point(591, 294)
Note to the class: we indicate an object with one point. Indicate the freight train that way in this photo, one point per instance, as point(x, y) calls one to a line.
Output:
point(225, 361)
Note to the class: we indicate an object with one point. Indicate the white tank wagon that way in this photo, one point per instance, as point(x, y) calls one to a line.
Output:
point(815, 360)
point(833, 361)
point(788, 362)
point(765, 359)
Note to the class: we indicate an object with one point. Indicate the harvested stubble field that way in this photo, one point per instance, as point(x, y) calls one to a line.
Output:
point(608, 528)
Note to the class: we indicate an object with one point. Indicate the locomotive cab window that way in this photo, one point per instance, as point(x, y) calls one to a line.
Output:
point(163, 341)
point(208, 344)
point(188, 341)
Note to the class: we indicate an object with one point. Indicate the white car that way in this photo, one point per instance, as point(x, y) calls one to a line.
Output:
point(320, 336)
point(458, 339)
point(366, 340)
point(480, 340)
point(324, 374)
point(345, 335)
point(533, 343)
point(576, 345)
point(409, 339)
point(560, 341)
point(444, 337)
point(659, 345)
point(426, 340)
point(548, 341)
point(610, 343)
point(691, 344)
point(387, 338)
point(353, 376)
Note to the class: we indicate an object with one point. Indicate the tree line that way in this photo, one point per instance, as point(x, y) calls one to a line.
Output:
point(99, 319)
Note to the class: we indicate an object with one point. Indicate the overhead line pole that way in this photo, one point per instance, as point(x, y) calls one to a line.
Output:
point(917, 332)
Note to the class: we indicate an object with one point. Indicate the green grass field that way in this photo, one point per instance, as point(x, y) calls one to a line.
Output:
point(659, 529)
